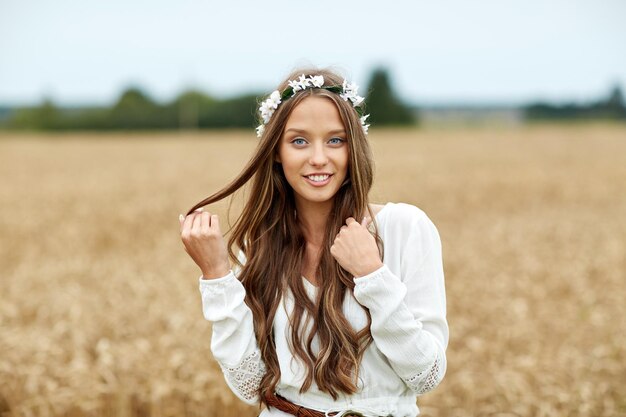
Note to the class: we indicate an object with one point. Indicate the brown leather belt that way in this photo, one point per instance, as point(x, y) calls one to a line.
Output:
point(282, 404)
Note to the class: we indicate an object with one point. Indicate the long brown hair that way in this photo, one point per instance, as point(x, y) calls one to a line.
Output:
point(271, 239)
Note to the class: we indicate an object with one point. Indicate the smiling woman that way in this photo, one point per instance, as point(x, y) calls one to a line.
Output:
point(334, 306)
point(314, 154)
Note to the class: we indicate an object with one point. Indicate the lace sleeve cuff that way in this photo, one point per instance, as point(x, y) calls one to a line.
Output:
point(244, 379)
point(414, 353)
point(426, 381)
point(233, 341)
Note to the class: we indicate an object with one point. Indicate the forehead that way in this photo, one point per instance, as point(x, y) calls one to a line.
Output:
point(315, 111)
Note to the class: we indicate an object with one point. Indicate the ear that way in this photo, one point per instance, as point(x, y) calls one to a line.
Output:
point(277, 158)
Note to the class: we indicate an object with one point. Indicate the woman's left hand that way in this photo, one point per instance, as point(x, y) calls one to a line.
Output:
point(355, 248)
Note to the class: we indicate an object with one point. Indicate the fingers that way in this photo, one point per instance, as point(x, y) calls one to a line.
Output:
point(199, 222)
point(215, 222)
point(365, 222)
point(187, 222)
point(205, 222)
point(334, 251)
point(196, 226)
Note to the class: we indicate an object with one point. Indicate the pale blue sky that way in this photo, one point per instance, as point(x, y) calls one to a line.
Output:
point(87, 51)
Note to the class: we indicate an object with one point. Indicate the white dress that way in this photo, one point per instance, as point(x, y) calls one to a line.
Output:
point(407, 302)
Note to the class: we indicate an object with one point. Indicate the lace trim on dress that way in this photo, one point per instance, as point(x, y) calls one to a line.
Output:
point(426, 380)
point(246, 377)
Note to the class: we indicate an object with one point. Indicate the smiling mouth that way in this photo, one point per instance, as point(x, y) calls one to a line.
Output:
point(318, 178)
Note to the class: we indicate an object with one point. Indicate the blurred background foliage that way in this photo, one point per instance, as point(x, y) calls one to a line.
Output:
point(136, 110)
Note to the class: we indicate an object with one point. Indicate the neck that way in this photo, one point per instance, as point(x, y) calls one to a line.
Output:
point(312, 218)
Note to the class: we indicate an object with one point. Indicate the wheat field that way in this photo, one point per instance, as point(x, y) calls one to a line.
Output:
point(100, 311)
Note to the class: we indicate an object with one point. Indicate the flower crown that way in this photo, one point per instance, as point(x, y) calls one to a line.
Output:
point(346, 91)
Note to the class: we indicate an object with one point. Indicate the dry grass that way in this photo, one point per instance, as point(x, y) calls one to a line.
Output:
point(100, 312)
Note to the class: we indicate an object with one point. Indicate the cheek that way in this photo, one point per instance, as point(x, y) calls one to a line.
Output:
point(289, 165)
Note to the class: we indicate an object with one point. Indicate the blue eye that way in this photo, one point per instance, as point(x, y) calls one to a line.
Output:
point(298, 141)
point(336, 141)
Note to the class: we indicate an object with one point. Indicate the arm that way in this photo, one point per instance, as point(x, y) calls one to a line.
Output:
point(409, 311)
point(233, 342)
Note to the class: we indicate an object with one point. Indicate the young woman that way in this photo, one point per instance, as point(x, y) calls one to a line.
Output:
point(333, 306)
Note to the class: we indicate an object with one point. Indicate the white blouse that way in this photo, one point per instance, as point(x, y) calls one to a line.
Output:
point(407, 303)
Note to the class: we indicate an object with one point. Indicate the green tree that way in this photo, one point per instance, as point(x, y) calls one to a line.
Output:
point(46, 116)
point(616, 97)
point(135, 110)
point(232, 112)
point(383, 105)
point(190, 108)
point(615, 103)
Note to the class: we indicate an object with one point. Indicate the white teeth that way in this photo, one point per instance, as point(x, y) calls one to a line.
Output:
point(318, 178)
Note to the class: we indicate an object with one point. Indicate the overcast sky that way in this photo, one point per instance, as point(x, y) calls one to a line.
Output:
point(87, 51)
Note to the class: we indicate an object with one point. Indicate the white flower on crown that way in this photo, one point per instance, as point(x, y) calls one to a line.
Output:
point(357, 101)
point(349, 88)
point(365, 127)
point(295, 85)
point(302, 83)
point(274, 99)
point(268, 106)
point(266, 112)
point(317, 81)
point(350, 92)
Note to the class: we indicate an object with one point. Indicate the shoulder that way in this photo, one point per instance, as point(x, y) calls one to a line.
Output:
point(376, 208)
point(406, 223)
point(404, 215)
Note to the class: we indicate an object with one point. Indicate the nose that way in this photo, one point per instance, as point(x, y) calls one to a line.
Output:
point(318, 155)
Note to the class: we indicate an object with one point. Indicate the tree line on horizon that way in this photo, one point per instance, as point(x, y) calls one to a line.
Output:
point(610, 108)
point(136, 110)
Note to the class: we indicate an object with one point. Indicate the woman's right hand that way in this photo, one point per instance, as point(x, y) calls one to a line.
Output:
point(203, 241)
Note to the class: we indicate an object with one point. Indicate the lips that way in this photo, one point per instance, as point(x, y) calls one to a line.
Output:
point(318, 180)
point(318, 177)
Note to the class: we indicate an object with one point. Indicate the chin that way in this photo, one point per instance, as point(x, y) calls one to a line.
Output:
point(317, 197)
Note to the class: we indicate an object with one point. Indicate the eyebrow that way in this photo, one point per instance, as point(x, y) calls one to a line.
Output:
point(305, 131)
